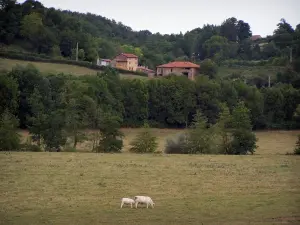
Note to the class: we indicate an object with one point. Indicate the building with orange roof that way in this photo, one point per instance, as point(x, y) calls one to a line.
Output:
point(125, 61)
point(187, 69)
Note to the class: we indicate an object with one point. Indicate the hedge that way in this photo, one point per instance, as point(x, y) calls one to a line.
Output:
point(44, 58)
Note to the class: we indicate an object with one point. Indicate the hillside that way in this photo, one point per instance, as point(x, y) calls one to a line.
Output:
point(8, 64)
point(31, 27)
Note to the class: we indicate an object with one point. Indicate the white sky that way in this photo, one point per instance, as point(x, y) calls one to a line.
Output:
point(167, 16)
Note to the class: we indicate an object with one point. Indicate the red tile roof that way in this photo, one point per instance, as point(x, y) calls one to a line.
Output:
point(179, 64)
point(255, 37)
point(129, 55)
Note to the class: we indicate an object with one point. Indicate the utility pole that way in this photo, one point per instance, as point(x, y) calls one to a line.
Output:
point(269, 81)
point(77, 51)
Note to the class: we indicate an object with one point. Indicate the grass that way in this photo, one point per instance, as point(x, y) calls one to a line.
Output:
point(8, 64)
point(269, 142)
point(249, 72)
point(86, 188)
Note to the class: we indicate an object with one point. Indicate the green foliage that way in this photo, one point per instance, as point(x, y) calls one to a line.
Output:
point(9, 138)
point(144, 142)
point(243, 142)
point(30, 148)
point(297, 147)
point(208, 67)
point(200, 136)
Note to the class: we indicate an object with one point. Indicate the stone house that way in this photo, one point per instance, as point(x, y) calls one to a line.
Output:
point(187, 69)
point(103, 62)
point(125, 61)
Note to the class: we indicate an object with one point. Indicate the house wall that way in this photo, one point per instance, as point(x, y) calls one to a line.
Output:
point(121, 65)
point(132, 64)
point(190, 72)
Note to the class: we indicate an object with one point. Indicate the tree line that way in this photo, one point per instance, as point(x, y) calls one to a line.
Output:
point(31, 27)
point(58, 107)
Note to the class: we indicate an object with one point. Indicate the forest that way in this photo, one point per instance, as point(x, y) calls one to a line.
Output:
point(32, 28)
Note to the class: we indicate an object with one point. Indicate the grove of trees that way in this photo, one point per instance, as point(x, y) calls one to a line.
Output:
point(57, 108)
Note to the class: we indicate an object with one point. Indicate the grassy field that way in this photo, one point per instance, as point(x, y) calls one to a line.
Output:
point(86, 188)
point(8, 64)
point(248, 72)
point(270, 142)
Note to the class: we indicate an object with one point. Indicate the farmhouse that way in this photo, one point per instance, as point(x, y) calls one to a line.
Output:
point(103, 62)
point(125, 61)
point(179, 68)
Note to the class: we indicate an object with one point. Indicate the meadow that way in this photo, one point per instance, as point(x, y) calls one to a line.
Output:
point(86, 188)
point(8, 64)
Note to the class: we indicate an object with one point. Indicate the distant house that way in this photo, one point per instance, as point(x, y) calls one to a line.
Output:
point(255, 37)
point(179, 68)
point(126, 61)
point(146, 70)
point(103, 62)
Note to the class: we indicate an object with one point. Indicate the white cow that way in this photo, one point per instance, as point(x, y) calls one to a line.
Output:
point(143, 199)
point(127, 201)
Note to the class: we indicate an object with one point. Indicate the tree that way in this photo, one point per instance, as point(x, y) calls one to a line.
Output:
point(38, 118)
point(144, 142)
point(9, 138)
point(217, 47)
point(209, 67)
point(200, 136)
point(223, 126)
point(228, 29)
point(244, 140)
point(243, 30)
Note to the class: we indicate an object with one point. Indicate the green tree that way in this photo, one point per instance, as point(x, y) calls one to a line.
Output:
point(297, 147)
point(9, 138)
point(200, 136)
point(209, 67)
point(244, 140)
point(144, 142)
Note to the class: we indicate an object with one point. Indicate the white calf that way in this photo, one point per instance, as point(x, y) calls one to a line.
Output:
point(143, 199)
point(127, 201)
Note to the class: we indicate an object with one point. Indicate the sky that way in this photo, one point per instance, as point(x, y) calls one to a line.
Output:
point(169, 16)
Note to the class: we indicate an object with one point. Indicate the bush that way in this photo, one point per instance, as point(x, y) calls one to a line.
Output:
point(244, 141)
point(109, 144)
point(177, 145)
point(145, 142)
point(9, 138)
point(30, 148)
point(209, 67)
point(297, 148)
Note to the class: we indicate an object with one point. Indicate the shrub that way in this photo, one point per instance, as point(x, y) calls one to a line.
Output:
point(177, 145)
point(109, 144)
point(9, 138)
point(145, 142)
point(297, 148)
point(244, 141)
point(30, 148)
point(209, 67)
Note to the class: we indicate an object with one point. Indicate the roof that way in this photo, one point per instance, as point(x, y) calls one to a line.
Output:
point(255, 37)
point(129, 55)
point(179, 64)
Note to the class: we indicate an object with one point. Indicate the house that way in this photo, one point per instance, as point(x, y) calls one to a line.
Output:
point(179, 68)
point(146, 70)
point(125, 61)
point(103, 62)
point(255, 37)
